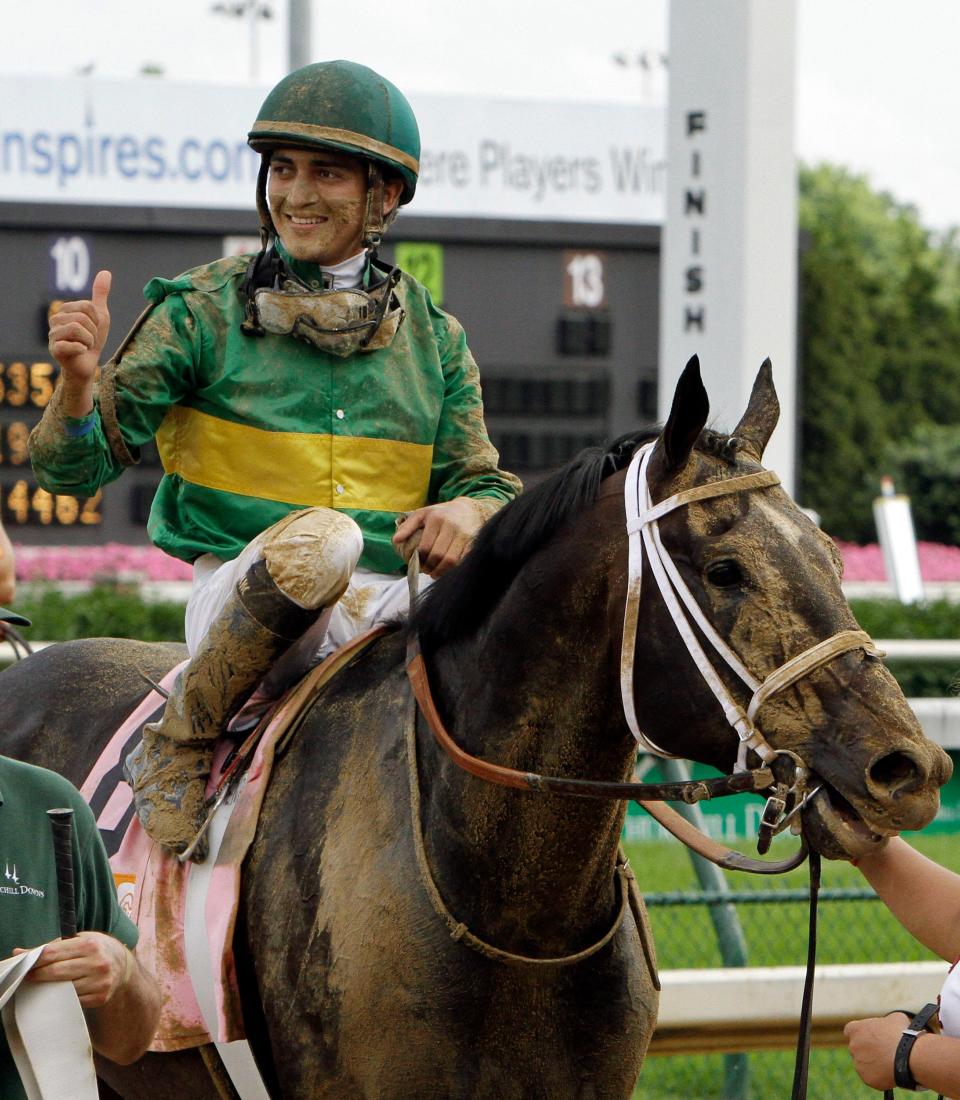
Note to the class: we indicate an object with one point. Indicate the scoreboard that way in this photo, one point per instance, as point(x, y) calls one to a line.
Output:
point(26, 386)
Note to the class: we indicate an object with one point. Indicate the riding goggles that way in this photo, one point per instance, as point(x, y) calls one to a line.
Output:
point(341, 322)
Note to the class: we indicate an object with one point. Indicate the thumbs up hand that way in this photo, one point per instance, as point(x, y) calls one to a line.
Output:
point(78, 331)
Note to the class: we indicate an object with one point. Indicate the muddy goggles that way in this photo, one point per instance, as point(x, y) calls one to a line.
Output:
point(340, 322)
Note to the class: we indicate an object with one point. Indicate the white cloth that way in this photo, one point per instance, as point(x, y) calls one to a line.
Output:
point(47, 1033)
point(348, 273)
point(950, 1002)
point(237, 1057)
point(370, 599)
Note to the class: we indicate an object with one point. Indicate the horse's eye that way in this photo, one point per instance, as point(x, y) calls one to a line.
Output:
point(724, 574)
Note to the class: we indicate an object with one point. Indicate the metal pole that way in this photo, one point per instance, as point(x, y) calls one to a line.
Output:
point(299, 51)
point(253, 14)
point(726, 924)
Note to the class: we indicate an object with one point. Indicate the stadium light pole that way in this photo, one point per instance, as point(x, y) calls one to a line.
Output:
point(254, 11)
point(299, 52)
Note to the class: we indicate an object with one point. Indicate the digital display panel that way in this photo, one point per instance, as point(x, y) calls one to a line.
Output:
point(25, 384)
point(24, 504)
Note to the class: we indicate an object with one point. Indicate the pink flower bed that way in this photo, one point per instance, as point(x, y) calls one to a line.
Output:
point(87, 563)
point(865, 563)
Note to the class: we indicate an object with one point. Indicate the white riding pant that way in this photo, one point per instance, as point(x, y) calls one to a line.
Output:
point(369, 600)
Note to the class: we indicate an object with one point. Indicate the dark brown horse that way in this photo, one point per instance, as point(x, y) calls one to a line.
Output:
point(354, 986)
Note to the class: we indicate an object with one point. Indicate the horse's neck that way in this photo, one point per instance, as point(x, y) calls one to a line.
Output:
point(534, 871)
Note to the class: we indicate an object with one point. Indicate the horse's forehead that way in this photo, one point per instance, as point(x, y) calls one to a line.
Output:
point(761, 516)
point(783, 522)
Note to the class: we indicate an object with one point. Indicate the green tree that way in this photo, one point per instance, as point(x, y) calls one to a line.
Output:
point(880, 341)
point(927, 468)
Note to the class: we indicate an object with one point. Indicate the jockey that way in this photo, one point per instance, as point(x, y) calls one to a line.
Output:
point(313, 411)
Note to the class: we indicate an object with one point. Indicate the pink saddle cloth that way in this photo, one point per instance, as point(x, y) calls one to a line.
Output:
point(151, 885)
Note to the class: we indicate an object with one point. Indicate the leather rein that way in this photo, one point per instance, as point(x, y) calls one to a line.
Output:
point(646, 794)
point(788, 796)
point(783, 805)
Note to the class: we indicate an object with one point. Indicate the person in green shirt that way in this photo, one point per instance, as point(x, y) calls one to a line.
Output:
point(314, 411)
point(121, 1001)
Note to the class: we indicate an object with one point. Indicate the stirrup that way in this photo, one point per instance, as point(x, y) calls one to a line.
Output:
point(197, 849)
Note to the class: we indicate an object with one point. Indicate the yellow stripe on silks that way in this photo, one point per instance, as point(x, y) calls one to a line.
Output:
point(376, 475)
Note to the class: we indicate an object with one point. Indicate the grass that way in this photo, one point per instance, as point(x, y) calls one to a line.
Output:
point(769, 1076)
point(776, 935)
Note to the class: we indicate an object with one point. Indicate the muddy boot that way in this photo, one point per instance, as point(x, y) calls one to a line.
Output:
point(169, 780)
point(281, 595)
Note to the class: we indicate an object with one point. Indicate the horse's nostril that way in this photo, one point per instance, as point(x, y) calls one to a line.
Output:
point(897, 771)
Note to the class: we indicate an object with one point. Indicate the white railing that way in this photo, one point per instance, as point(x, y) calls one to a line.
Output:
point(895, 648)
point(757, 1008)
point(940, 718)
point(921, 649)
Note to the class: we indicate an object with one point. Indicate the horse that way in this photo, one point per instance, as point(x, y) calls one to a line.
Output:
point(353, 985)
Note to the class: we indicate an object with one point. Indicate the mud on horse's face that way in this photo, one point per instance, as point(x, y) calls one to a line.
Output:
point(768, 580)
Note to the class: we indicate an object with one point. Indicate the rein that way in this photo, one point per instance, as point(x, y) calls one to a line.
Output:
point(696, 790)
point(642, 524)
point(647, 795)
point(626, 885)
point(20, 646)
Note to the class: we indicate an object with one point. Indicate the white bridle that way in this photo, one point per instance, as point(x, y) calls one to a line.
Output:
point(644, 535)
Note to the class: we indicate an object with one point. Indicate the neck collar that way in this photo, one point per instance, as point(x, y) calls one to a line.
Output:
point(344, 275)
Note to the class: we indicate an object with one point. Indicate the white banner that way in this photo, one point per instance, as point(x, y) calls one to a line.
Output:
point(150, 142)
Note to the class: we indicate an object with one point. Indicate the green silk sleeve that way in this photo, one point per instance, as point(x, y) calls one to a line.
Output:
point(465, 462)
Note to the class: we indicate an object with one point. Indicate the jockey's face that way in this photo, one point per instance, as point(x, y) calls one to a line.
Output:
point(318, 201)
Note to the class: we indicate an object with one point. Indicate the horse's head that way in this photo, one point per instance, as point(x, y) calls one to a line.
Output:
point(767, 580)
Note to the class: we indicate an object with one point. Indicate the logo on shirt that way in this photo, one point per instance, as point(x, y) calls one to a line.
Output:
point(13, 885)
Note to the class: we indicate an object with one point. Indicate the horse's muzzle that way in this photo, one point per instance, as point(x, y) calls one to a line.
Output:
point(902, 792)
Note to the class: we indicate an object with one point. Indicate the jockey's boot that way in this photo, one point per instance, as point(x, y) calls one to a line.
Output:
point(304, 566)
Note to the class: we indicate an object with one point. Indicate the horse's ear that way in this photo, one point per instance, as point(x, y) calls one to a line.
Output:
point(688, 414)
point(763, 411)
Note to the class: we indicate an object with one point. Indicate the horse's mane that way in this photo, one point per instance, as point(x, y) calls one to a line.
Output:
point(459, 601)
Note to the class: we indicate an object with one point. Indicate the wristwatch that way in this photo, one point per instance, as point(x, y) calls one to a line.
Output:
point(901, 1060)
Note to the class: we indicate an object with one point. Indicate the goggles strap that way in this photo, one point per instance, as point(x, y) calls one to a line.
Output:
point(374, 225)
point(264, 270)
point(267, 228)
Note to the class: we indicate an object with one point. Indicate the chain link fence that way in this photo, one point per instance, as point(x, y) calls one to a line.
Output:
point(853, 926)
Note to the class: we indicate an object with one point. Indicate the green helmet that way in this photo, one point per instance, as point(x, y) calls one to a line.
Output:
point(342, 105)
